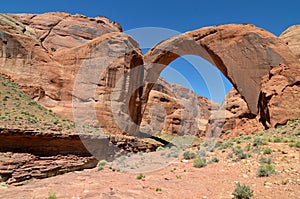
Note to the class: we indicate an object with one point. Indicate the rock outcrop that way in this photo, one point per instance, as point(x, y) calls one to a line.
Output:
point(280, 95)
point(174, 109)
point(85, 69)
point(55, 57)
point(243, 53)
point(233, 118)
point(291, 37)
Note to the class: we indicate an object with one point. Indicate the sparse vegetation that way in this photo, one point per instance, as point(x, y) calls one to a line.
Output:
point(189, 155)
point(140, 176)
point(52, 195)
point(259, 141)
point(242, 192)
point(199, 162)
point(19, 111)
point(266, 170)
point(267, 150)
point(101, 164)
point(158, 189)
point(264, 160)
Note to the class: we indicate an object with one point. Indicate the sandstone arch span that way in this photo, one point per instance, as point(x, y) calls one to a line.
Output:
point(243, 53)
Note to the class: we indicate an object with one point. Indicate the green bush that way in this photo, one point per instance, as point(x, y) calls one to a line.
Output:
point(188, 155)
point(242, 192)
point(296, 144)
point(264, 160)
point(140, 176)
point(242, 156)
point(101, 164)
point(202, 153)
point(277, 140)
point(237, 150)
point(52, 195)
point(267, 150)
point(259, 141)
point(266, 170)
point(199, 162)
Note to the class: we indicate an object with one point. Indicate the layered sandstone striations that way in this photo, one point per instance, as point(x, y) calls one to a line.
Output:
point(87, 70)
point(176, 110)
point(243, 53)
point(291, 37)
point(233, 118)
point(57, 57)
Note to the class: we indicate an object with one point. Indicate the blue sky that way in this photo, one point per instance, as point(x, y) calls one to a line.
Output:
point(178, 16)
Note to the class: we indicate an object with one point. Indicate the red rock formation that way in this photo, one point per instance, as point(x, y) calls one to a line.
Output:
point(233, 118)
point(45, 54)
point(57, 57)
point(174, 109)
point(243, 53)
point(291, 37)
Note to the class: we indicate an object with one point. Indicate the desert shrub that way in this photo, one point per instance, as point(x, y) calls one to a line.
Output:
point(266, 170)
point(242, 192)
point(52, 195)
point(215, 159)
point(158, 189)
point(277, 140)
point(264, 160)
point(242, 156)
point(199, 162)
point(259, 141)
point(202, 153)
point(256, 149)
point(237, 150)
point(296, 144)
point(230, 155)
point(247, 147)
point(101, 164)
point(267, 150)
point(140, 176)
point(189, 155)
point(206, 143)
point(173, 154)
point(226, 144)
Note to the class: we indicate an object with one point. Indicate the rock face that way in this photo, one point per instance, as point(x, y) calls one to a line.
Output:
point(280, 95)
point(57, 57)
point(85, 69)
point(18, 168)
point(291, 37)
point(233, 118)
point(174, 109)
point(243, 53)
point(58, 30)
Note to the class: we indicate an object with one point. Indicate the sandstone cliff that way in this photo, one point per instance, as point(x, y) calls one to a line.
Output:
point(174, 109)
point(86, 69)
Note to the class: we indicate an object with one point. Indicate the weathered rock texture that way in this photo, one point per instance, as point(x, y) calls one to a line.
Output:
point(87, 70)
point(233, 118)
point(291, 37)
point(243, 53)
point(280, 95)
point(19, 168)
point(174, 109)
point(57, 57)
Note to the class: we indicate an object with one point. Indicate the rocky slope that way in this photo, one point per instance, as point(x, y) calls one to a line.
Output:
point(45, 54)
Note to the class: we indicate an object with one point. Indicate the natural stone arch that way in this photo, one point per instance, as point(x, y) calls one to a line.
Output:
point(243, 53)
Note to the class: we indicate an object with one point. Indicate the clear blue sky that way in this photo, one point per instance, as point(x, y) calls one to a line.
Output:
point(180, 16)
